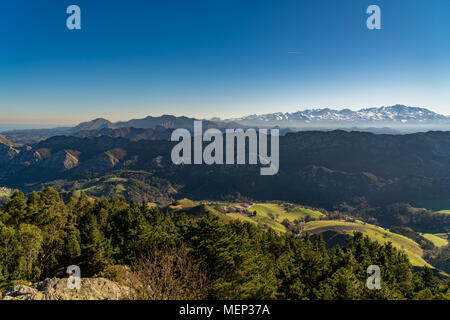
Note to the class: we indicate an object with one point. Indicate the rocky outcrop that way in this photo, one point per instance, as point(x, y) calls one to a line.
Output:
point(7, 153)
point(56, 289)
point(102, 162)
point(136, 134)
point(6, 142)
point(62, 160)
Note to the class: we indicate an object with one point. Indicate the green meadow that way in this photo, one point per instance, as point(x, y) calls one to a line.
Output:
point(438, 239)
point(273, 214)
point(410, 247)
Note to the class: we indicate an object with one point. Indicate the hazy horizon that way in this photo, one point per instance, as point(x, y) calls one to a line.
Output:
point(4, 126)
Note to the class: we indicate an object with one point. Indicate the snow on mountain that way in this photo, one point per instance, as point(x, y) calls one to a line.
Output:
point(397, 113)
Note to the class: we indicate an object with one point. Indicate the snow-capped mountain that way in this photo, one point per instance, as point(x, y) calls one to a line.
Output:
point(393, 114)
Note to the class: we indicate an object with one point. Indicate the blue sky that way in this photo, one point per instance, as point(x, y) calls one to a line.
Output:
point(218, 58)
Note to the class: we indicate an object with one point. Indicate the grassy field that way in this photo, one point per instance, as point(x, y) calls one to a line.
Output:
point(183, 204)
point(265, 212)
point(438, 239)
point(272, 215)
point(199, 209)
point(238, 216)
point(411, 248)
point(445, 236)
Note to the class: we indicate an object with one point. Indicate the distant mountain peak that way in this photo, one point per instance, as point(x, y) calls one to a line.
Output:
point(387, 114)
point(95, 124)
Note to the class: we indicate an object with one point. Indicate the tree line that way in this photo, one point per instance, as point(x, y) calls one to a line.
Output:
point(41, 235)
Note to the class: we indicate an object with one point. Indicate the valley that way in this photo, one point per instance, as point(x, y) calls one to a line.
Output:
point(390, 188)
point(314, 169)
point(296, 219)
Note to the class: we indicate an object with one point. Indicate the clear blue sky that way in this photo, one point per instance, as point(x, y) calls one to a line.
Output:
point(222, 58)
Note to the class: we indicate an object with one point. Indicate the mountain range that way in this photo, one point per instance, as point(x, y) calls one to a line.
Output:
point(376, 178)
point(387, 120)
point(316, 168)
point(160, 124)
point(320, 168)
point(165, 121)
point(391, 115)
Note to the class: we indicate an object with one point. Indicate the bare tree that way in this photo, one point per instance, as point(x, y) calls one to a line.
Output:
point(168, 274)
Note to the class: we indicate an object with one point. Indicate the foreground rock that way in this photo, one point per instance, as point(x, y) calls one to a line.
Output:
point(56, 289)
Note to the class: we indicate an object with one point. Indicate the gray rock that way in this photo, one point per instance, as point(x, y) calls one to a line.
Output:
point(56, 289)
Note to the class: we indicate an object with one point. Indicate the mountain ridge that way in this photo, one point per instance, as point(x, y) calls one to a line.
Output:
point(315, 167)
point(164, 122)
point(390, 119)
point(398, 114)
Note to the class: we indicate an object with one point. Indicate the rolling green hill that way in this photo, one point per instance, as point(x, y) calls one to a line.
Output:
point(285, 211)
point(411, 248)
point(135, 185)
point(438, 239)
point(198, 209)
point(271, 214)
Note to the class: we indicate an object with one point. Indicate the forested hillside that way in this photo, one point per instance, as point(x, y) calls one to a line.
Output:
point(41, 235)
point(316, 168)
